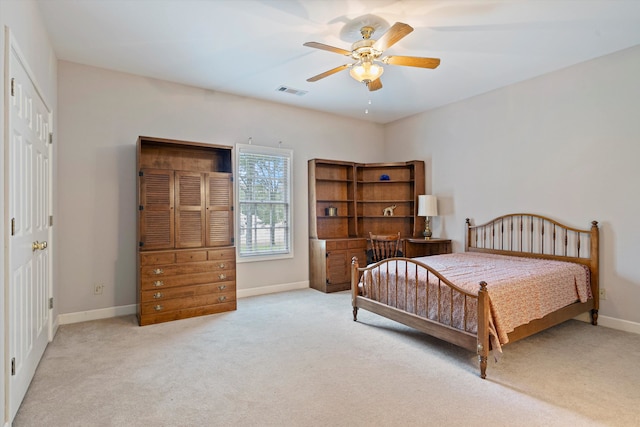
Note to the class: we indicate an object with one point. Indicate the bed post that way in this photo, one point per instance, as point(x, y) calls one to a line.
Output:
point(354, 286)
point(595, 272)
point(467, 234)
point(483, 328)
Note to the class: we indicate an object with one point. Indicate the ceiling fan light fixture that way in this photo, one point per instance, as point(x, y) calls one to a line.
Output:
point(366, 71)
point(367, 52)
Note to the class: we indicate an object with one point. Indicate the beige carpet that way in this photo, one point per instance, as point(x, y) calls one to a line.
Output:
point(298, 359)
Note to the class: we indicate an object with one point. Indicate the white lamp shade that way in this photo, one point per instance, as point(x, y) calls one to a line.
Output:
point(427, 205)
point(366, 71)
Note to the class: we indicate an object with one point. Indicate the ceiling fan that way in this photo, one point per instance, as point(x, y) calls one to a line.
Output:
point(367, 53)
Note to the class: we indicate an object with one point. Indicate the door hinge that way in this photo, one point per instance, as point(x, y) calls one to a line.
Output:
point(13, 366)
point(140, 207)
point(141, 244)
point(231, 178)
point(140, 173)
point(50, 220)
point(13, 226)
point(231, 208)
point(233, 240)
point(51, 303)
point(13, 84)
point(50, 137)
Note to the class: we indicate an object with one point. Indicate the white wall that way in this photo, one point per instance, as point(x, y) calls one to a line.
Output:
point(564, 145)
point(25, 22)
point(101, 114)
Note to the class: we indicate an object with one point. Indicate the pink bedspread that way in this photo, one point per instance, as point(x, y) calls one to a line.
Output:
point(520, 289)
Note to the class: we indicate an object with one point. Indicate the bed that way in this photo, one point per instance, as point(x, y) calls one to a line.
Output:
point(520, 274)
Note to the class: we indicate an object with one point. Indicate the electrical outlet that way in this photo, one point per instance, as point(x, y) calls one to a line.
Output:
point(98, 288)
point(603, 294)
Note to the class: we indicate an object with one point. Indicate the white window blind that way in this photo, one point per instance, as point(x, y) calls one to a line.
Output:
point(264, 201)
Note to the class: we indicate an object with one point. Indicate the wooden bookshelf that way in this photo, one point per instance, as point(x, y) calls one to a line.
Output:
point(359, 195)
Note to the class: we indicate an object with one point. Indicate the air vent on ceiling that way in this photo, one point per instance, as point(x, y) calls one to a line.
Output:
point(291, 90)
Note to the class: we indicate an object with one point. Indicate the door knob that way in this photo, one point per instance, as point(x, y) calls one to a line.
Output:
point(38, 245)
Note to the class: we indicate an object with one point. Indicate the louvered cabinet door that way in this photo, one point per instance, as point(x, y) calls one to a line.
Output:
point(219, 217)
point(190, 197)
point(156, 209)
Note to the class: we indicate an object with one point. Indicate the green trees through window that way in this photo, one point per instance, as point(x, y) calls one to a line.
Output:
point(264, 199)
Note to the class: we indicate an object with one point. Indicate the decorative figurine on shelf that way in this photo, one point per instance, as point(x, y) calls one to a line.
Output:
point(388, 211)
point(384, 177)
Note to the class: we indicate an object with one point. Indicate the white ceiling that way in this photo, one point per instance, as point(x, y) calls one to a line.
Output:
point(251, 48)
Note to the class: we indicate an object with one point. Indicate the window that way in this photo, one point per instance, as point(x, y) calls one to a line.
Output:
point(264, 202)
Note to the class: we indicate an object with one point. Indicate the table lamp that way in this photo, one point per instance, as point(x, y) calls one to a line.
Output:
point(427, 207)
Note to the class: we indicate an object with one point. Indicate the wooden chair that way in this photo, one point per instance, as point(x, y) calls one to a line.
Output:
point(384, 245)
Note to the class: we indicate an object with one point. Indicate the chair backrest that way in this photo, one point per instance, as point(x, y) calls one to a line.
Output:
point(384, 245)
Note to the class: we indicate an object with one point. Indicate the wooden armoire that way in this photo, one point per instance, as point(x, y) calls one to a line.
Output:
point(186, 255)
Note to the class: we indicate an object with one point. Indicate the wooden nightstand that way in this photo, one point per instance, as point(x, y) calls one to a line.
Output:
point(422, 247)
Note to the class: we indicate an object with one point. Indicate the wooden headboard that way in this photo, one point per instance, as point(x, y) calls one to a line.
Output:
point(535, 236)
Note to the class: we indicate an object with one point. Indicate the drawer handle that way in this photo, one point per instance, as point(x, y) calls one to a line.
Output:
point(222, 298)
point(222, 265)
point(158, 283)
point(222, 276)
point(158, 271)
point(222, 287)
point(157, 307)
point(157, 295)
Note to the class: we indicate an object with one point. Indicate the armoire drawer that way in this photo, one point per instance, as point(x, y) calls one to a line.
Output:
point(220, 254)
point(186, 291)
point(155, 307)
point(191, 256)
point(158, 271)
point(167, 316)
point(155, 258)
point(150, 283)
point(181, 256)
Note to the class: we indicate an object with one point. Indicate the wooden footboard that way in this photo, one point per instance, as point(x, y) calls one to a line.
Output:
point(414, 294)
point(399, 296)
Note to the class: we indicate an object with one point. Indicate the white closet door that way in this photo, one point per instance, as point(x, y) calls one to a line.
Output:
point(28, 176)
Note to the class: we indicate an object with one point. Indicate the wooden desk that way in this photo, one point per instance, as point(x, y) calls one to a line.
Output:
point(422, 247)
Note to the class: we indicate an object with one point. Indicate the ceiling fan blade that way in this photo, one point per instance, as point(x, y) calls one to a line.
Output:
point(412, 61)
point(328, 73)
point(374, 85)
point(392, 36)
point(327, 47)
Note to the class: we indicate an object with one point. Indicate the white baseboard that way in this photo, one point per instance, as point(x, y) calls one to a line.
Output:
point(103, 313)
point(612, 322)
point(124, 310)
point(263, 290)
